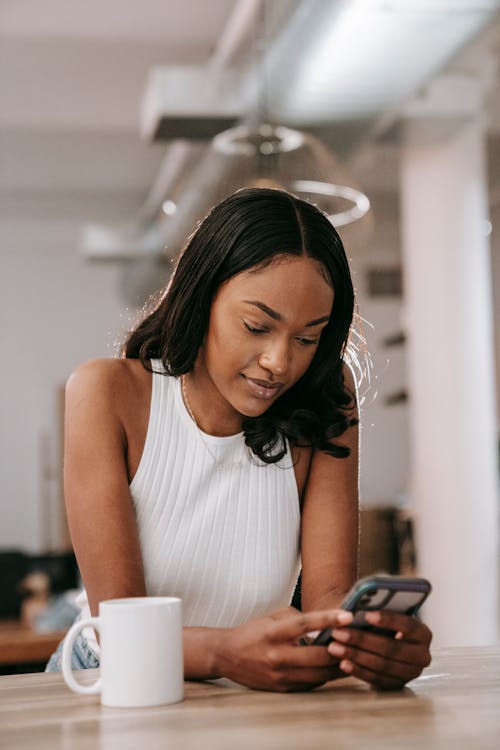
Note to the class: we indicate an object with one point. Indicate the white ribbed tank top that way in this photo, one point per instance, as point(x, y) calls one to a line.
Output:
point(217, 527)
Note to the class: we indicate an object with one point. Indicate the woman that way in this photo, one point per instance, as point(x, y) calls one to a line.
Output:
point(220, 454)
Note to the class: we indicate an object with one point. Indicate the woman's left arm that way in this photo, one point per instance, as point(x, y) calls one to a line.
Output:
point(329, 547)
point(330, 521)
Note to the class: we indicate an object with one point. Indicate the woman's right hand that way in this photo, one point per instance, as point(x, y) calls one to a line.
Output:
point(266, 654)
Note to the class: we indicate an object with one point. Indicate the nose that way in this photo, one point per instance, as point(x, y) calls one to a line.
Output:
point(276, 358)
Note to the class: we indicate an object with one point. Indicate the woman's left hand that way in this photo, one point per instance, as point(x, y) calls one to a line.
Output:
point(385, 662)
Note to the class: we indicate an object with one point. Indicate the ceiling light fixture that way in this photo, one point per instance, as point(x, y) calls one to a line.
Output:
point(262, 153)
point(361, 204)
point(265, 139)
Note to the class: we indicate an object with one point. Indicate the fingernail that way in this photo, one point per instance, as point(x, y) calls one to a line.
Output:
point(341, 635)
point(373, 617)
point(344, 618)
point(336, 649)
point(346, 666)
point(313, 634)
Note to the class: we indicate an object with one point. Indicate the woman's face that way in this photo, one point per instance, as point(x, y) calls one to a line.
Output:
point(263, 333)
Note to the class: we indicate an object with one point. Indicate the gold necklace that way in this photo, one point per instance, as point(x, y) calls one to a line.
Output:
point(186, 400)
point(219, 462)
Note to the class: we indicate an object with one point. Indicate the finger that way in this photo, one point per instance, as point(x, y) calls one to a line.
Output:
point(282, 614)
point(378, 663)
point(313, 656)
point(381, 682)
point(391, 649)
point(289, 628)
point(412, 629)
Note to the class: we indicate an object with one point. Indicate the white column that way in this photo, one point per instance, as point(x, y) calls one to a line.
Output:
point(451, 381)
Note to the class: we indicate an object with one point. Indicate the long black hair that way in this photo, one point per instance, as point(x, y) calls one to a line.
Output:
point(248, 230)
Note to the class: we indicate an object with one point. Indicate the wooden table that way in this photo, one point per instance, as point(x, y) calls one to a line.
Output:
point(20, 644)
point(454, 704)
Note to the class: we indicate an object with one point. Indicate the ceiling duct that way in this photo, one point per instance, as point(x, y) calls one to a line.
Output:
point(189, 102)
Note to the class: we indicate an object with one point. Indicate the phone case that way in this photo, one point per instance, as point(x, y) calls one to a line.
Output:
point(395, 593)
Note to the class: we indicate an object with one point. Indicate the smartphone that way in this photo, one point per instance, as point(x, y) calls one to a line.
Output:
point(395, 593)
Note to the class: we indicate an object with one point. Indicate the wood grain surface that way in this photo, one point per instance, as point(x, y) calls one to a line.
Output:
point(454, 704)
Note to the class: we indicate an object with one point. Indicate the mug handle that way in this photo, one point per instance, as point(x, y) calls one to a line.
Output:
point(66, 658)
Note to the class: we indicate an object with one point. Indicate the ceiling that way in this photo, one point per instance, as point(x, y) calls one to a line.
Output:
point(73, 76)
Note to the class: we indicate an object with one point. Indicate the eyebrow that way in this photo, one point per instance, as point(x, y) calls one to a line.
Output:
point(277, 316)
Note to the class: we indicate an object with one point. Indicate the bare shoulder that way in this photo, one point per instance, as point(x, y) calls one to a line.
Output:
point(109, 379)
point(109, 398)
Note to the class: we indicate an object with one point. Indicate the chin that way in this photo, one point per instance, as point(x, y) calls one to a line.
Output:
point(254, 411)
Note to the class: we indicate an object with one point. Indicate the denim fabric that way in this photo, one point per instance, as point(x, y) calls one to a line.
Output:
point(81, 657)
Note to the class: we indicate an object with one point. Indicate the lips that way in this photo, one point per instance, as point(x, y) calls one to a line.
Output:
point(263, 388)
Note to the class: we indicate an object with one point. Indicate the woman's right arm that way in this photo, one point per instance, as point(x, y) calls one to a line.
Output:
point(98, 503)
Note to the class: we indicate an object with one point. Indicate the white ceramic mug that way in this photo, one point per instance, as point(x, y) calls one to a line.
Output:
point(141, 660)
